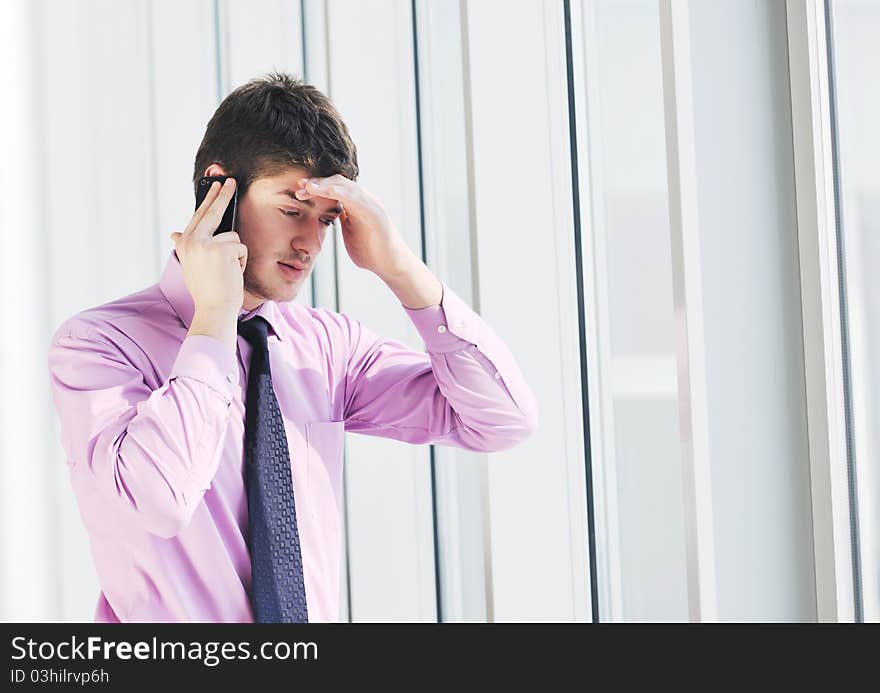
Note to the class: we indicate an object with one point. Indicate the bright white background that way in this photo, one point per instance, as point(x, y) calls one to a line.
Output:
point(623, 210)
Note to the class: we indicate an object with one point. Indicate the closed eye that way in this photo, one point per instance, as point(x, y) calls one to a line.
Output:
point(288, 213)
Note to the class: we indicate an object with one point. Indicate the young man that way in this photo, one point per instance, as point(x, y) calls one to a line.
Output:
point(203, 417)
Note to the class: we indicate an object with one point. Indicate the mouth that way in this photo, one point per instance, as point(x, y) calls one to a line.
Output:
point(292, 271)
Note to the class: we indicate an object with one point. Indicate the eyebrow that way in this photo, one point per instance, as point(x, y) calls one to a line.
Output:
point(311, 203)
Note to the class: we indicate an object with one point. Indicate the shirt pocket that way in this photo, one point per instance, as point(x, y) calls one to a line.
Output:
point(324, 455)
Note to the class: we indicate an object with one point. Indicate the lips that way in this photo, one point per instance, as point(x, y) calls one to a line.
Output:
point(294, 265)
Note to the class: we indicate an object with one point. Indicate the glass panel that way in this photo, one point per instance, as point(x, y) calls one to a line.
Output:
point(640, 517)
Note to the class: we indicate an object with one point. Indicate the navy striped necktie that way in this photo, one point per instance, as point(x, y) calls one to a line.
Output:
point(278, 590)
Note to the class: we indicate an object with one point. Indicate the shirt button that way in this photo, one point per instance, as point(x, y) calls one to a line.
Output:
point(497, 374)
point(230, 377)
point(441, 328)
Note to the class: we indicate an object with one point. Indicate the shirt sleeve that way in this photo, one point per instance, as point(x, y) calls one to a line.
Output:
point(465, 391)
point(150, 454)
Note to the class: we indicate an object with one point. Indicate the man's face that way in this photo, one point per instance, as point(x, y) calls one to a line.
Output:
point(280, 230)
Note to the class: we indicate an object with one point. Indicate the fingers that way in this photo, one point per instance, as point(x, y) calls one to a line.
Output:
point(231, 249)
point(335, 187)
point(225, 237)
point(330, 190)
point(228, 237)
point(210, 196)
point(209, 222)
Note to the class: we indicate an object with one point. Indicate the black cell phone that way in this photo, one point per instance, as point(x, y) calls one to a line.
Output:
point(229, 222)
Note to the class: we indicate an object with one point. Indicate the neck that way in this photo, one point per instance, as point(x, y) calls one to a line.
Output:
point(250, 301)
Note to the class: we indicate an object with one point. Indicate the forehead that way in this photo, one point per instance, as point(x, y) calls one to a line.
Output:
point(285, 184)
point(289, 178)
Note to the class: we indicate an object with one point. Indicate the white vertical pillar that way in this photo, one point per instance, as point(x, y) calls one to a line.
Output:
point(525, 268)
point(98, 198)
point(688, 295)
point(29, 589)
point(628, 311)
point(737, 291)
point(823, 351)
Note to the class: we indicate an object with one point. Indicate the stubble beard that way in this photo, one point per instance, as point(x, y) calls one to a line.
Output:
point(256, 287)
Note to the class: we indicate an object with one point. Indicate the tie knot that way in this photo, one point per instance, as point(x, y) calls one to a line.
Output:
point(255, 331)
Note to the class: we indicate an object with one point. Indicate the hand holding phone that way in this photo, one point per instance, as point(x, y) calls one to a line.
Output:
point(229, 222)
point(213, 260)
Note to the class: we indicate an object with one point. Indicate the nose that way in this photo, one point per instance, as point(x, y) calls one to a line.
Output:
point(311, 239)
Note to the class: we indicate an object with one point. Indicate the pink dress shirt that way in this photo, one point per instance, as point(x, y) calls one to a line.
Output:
point(152, 422)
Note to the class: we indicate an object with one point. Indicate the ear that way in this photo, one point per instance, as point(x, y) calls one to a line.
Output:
point(215, 170)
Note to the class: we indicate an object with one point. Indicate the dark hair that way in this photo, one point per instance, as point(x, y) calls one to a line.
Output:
point(274, 122)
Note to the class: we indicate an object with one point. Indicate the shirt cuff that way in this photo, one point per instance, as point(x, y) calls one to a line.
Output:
point(445, 327)
point(209, 361)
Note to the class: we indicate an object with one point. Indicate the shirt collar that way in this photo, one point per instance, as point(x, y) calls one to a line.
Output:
point(174, 289)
